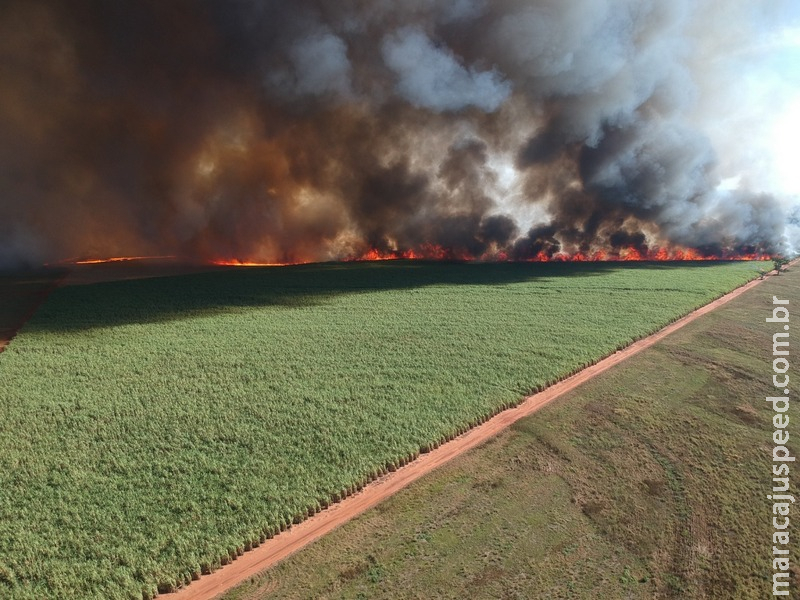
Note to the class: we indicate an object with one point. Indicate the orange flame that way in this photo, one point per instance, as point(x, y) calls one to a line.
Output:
point(112, 259)
point(635, 255)
point(424, 252)
point(631, 254)
point(235, 262)
point(433, 252)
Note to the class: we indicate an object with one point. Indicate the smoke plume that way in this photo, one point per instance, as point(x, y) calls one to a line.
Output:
point(311, 130)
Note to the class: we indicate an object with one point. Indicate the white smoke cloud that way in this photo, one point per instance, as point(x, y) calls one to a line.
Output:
point(319, 67)
point(462, 10)
point(432, 77)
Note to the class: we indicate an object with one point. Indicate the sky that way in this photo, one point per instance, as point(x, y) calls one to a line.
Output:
point(785, 129)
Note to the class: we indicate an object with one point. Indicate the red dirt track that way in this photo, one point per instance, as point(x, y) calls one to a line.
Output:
point(298, 536)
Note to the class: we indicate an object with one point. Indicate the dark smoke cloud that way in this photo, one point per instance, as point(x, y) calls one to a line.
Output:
point(313, 130)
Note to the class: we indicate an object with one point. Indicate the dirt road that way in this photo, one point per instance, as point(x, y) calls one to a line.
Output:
point(292, 540)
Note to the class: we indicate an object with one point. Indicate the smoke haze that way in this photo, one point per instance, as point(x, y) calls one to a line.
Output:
point(313, 130)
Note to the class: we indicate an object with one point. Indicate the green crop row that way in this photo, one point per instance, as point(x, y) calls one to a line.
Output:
point(152, 430)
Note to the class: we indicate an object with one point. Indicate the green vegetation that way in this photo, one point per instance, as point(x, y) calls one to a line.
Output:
point(779, 264)
point(151, 429)
point(647, 482)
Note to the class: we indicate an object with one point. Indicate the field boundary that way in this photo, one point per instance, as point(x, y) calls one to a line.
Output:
point(286, 543)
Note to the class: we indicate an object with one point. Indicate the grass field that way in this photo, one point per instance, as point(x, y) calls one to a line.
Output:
point(647, 482)
point(150, 429)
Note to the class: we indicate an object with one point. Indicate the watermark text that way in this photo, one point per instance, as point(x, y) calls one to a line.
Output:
point(782, 500)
